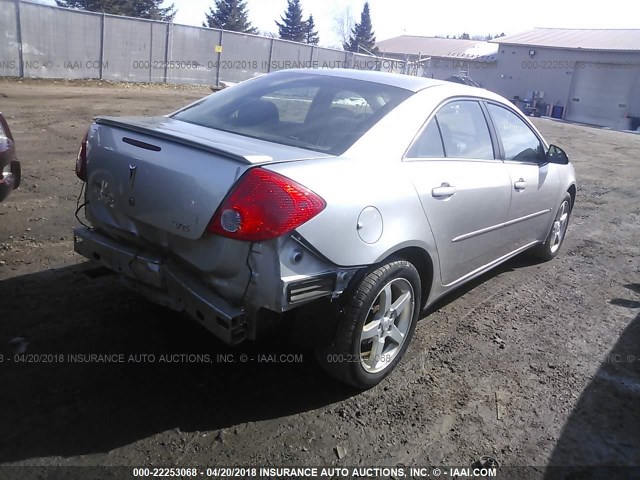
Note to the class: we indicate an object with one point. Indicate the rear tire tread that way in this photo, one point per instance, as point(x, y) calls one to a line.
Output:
point(348, 326)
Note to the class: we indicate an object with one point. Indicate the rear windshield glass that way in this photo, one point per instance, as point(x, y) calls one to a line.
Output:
point(317, 112)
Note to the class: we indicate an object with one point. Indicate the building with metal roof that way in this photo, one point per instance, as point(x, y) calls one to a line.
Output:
point(442, 58)
point(624, 40)
point(438, 47)
point(589, 76)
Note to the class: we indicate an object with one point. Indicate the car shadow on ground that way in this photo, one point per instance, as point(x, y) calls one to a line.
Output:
point(521, 261)
point(53, 405)
point(604, 427)
point(59, 401)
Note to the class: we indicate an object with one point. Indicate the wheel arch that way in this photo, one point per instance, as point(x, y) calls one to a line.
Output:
point(573, 192)
point(421, 259)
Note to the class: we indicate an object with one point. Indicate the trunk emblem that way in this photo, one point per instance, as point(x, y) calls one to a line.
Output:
point(132, 181)
point(132, 175)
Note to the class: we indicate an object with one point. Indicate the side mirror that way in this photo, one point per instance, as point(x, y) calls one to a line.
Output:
point(557, 155)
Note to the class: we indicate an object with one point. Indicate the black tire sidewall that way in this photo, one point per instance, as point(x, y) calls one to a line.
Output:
point(398, 269)
point(545, 250)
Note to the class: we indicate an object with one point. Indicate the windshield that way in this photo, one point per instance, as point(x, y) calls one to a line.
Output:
point(317, 112)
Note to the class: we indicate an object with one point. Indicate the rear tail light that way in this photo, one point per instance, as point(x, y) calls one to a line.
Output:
point(81, 161)
point(4, 137)
point(5, 131)
point(264, 205)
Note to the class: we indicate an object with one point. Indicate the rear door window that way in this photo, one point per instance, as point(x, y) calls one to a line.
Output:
point(465, 132)
point(429, 143)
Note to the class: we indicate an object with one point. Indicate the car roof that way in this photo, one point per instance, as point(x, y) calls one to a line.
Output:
point(407, 82)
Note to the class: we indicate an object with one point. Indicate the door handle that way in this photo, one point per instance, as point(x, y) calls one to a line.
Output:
point(444, 190)
point(520, 184)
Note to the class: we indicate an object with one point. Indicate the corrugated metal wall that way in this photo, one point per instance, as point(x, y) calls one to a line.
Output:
point(442, 68)
point(243, 56)
point(74, 37)
point(190, 55)
point(9, 49)
point(330, 58)
point(62, 43)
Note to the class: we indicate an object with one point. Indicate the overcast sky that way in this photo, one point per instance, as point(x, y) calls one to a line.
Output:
point(432, 17)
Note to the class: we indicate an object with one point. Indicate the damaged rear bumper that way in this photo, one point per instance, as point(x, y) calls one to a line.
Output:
point(166, 283)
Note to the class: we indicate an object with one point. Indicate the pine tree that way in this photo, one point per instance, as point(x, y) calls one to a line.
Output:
point(151, 9)
point(229, 15)
point(292, 27)
point(310, 32)
point(114, 7)
point(362, 35)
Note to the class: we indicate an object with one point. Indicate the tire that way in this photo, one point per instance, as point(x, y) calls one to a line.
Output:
point(551, 246)
point(375, 326)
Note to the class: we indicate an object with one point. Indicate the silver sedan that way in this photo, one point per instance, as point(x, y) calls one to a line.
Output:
point(339, 204)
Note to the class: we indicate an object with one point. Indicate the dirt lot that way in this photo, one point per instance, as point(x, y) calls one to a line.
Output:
point(533, 364)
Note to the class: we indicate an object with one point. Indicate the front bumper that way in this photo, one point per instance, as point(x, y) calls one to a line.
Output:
point(9, 181)
point(164, 282)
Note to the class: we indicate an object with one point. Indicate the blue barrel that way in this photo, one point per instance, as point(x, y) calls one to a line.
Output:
point(557, 111)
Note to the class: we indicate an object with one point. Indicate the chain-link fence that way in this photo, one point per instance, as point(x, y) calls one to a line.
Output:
point(42, 41)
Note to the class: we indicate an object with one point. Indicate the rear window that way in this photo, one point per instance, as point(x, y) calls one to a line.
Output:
point(322, 113)
point(465, 132)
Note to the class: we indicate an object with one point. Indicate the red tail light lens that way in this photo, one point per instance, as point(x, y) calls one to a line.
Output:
point(264, 205)
point(81, 161)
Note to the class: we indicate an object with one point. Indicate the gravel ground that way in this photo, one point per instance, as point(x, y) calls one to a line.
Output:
point(533, 364)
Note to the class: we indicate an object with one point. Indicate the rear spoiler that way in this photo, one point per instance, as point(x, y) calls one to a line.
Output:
point(228, 151)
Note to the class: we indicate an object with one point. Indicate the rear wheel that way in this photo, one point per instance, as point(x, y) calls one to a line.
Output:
point(375, 326)
point(554, 240)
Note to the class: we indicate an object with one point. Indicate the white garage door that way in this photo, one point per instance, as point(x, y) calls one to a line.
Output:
point(601, 94)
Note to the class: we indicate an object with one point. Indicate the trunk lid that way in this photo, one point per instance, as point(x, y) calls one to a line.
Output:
point(153, 176)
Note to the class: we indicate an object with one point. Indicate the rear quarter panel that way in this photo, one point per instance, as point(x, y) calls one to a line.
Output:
point(349, 187)
point(370, 174)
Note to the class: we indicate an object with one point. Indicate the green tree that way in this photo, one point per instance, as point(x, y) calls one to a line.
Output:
point(151, 9)
point(115, 7)
point(310, 33)
point(362, 35)
point(229, 15)
point(292, 27)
